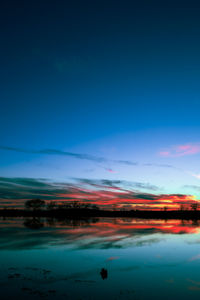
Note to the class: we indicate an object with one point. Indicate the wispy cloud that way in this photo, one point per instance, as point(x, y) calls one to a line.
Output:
point(104, 193)
point(120, 184)
point(181, 150)
point(190, 186)
point(110, 170)
point(71, 154)
point(196, 175)
point(83, 156)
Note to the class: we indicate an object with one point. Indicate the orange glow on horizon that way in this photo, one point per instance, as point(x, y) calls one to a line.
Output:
point(112, 199)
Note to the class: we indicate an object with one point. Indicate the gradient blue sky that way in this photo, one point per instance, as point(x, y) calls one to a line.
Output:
point(117, 80)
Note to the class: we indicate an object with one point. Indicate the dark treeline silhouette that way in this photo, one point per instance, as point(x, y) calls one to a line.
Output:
point(78, 209)
point(38, 204)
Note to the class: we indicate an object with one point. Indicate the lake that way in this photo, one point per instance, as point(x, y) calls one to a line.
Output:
point(99, 258)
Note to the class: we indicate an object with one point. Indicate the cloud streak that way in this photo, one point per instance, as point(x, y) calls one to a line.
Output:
point(70, 154)
point(83, 156)
point(104, 193)
point(181, 150)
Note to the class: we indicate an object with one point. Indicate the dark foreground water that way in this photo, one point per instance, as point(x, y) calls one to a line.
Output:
point(144, 259)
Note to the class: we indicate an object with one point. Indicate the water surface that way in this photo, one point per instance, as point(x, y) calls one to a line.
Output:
point(144, 259)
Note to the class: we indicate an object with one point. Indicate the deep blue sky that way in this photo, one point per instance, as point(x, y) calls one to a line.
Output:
point(118, 79)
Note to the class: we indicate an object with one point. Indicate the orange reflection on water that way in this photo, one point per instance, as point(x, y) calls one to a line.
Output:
point(118, 229)
point(90, 233)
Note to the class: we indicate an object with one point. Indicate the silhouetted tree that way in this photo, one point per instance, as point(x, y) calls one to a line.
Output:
point(34, 204)
point(51, 205)
point(194, 206)
point(77, 205)
point(92, 206)
point(114, 207)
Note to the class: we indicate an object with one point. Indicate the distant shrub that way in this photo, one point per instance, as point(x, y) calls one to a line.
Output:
point(34, 204)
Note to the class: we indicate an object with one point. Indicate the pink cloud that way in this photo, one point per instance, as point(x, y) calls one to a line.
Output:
point(181, 150)
point(110, 170)
point(196, 175)
point(164, 153)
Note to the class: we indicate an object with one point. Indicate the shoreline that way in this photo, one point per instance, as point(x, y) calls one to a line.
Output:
point(90, 213)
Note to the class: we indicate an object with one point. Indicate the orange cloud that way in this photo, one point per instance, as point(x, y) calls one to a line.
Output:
point(107, 194)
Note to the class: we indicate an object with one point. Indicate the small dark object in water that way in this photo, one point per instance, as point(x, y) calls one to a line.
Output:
point(16, 275)
point(51, 291)
point(26, 289)
point(104, 273)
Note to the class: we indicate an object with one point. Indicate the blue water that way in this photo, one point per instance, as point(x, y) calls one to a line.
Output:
point(144, 259)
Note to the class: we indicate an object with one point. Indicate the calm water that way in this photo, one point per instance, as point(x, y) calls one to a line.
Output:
point(144, 259)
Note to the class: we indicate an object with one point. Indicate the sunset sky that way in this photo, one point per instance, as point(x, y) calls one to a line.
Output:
point(100, 102)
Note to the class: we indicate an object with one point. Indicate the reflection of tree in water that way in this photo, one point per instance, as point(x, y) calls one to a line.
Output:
point(183, 223)
point(190, 223)
point(36, 223)
point(51, 222)
point(33, 223)
point(72, 222)
point(126, 220)
point(195, 223)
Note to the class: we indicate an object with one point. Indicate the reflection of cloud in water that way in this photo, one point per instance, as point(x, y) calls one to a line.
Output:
point(193, 281)
point(112, 258)
point(167, 265)
point(102, 233)
point(170, 281)
point(195, 286)
point(193, 258)
point(130, 268)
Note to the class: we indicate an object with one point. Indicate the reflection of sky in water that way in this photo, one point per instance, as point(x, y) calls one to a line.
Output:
point(145, 259)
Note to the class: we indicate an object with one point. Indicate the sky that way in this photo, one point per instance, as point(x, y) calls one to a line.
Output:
point(103, 97)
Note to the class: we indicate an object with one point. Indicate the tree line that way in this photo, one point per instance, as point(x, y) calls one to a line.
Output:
point(38, 204)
